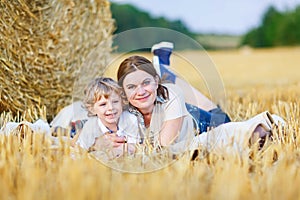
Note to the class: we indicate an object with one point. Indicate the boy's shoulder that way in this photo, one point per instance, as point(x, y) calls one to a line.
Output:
point(91, 119)
point(126, 114)
point(91, 123)
point(126, 117)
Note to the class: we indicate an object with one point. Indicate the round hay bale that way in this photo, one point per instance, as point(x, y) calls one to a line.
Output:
point(43, 47)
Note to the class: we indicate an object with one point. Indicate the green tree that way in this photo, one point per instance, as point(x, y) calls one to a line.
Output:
point(290, 30)
point(270, 27)
point(276, 29)
point(129, 17)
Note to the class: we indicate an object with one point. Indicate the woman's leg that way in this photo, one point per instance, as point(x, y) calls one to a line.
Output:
point(206, 113)
point(239, 135)
point(161, 60)
point(207, 120)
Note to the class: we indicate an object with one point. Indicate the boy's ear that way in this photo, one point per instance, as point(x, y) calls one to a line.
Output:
point(92, 110)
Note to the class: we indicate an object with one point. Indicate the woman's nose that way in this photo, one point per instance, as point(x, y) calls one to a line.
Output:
point(140, 90)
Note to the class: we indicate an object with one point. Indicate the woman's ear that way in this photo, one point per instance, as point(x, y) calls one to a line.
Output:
point(156, 78)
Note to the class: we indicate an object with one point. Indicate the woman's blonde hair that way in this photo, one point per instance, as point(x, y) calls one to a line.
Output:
point(98, 88)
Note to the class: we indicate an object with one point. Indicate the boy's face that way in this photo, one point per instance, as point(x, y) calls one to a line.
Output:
point(108, 110)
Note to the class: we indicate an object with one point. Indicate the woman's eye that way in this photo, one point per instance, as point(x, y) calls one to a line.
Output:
point(116, 101)
point(146, 82)
point(131, 87)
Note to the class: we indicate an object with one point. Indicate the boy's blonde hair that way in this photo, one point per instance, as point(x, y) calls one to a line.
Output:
point(98, 88)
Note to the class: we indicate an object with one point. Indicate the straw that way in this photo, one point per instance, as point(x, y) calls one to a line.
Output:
point(44, 45)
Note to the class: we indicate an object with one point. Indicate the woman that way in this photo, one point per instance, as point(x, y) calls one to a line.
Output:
point(162, 115)
point(160, 108)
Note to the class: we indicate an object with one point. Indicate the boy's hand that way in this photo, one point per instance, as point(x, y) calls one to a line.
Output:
point(108, 141)
point(115, 139)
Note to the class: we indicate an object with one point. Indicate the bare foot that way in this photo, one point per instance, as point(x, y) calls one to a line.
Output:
point(260, 133)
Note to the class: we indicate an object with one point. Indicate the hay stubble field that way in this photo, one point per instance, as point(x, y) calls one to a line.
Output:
point(254, 81)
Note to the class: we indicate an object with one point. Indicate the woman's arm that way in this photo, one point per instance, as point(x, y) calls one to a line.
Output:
point(177, 123)
point(170, 131)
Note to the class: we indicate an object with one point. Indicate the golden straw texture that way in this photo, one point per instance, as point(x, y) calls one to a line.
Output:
point(45, 49)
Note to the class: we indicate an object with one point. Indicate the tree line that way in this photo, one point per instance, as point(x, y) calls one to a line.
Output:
point(129, 17)
point(277, 29)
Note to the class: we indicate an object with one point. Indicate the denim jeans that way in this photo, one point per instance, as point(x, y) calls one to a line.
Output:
point(207, 119)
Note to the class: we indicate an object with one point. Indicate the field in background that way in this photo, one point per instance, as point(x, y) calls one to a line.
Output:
point(254, 81)
point(267, 73)
point(219, 41)
point(266, 67)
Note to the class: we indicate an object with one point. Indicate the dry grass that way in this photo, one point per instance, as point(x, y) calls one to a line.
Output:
point(31, 170)
point(44, 45)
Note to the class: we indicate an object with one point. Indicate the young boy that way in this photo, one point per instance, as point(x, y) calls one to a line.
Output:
point(108, 127)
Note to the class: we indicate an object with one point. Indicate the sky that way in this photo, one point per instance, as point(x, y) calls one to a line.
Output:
point(213, 16)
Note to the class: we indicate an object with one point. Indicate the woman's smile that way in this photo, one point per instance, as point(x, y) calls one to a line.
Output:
point(140, 88)
point(143, 98)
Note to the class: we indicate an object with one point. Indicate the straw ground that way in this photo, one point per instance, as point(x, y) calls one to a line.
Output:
point(255, 80)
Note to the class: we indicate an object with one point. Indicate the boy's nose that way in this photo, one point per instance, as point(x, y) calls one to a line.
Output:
point(110, 105)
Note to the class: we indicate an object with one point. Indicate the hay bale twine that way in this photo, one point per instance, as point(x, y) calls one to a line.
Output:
point(44, 45)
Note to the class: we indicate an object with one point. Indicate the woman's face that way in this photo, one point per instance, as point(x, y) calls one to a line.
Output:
point(140, 89)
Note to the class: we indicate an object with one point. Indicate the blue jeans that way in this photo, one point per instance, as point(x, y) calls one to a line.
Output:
point(207, 119)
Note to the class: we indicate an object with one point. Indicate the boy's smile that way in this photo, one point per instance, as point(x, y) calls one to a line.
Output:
point(108, 110)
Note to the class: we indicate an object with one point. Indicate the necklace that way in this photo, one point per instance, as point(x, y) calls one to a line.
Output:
point(111, 131)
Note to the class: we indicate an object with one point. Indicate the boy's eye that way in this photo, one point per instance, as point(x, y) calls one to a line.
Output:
point(102, 104)
point(116, 101)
